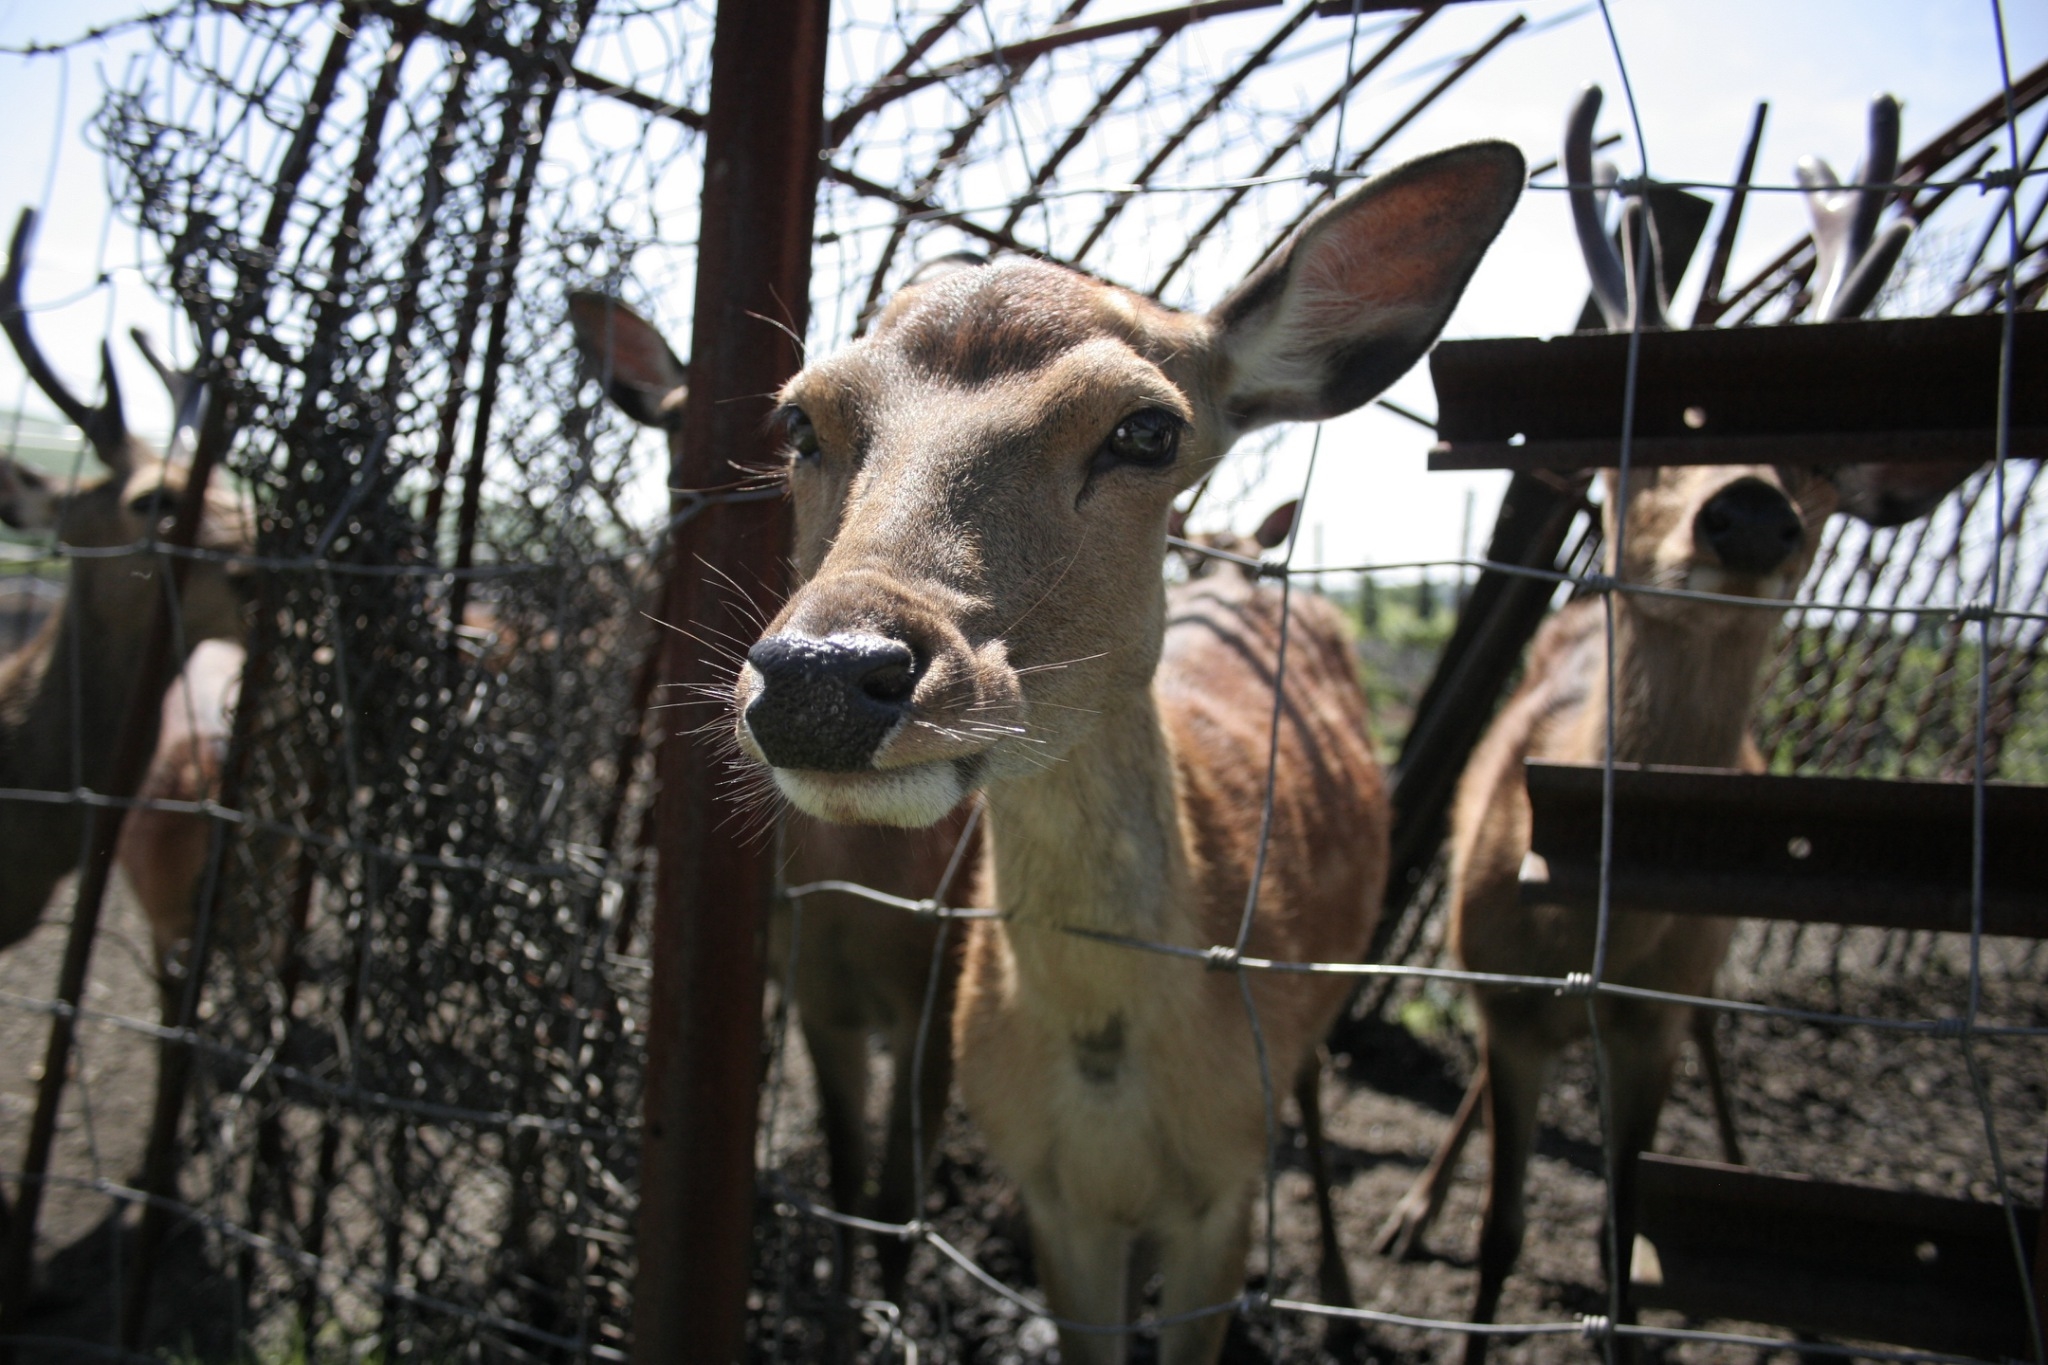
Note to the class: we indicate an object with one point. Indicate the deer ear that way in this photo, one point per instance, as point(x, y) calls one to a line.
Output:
point(1346, 307)
point(1894, 494)
point(1278, 524)
point(27, 501)
point(640, 373)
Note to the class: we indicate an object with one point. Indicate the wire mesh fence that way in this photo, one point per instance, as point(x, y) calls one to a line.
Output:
point(416, 989)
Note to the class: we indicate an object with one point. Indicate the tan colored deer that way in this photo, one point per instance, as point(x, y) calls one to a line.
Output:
point(63, 696)
point(982, 488)
point(862, 969)
point(1686, 679)
point(163, 852)
point(1270, 533)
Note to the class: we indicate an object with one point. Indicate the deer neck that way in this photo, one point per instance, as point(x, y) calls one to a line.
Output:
point(1683, 688)
point(1092, 841)
point(65, 696)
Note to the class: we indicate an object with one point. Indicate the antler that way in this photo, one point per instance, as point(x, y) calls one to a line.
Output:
point(1616, 275)
point(104, 426)
point(1853, 259)
point(188, 396)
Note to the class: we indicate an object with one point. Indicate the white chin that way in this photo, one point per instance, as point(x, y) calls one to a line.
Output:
point(909, 797)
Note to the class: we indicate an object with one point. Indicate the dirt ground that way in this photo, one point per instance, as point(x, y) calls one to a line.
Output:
point(1841, 1103)
point(1833, 1102)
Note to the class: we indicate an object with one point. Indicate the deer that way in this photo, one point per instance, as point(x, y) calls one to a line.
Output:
point(861, 969)
point(1269, 534)
point(981, 490)
point(64, 694)
point(1687, 674)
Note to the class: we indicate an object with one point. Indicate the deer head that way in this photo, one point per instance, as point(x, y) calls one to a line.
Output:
point(134, 498)
point(982, 485)
point(1271, 532)
point(1682, 520)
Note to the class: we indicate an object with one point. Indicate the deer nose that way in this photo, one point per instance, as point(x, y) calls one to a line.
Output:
point(1750, 526)
point(826, 704)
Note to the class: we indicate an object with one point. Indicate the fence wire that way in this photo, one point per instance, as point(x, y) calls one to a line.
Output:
point(422, 976)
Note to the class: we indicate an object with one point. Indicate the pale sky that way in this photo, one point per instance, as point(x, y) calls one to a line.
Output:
point(1697, 70)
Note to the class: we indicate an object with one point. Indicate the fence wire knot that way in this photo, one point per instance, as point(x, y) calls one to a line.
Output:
point(1595, 1326)
point(1952, 1028)
point(928, 908)
point(1273, 568)
point(2004, 178)
point(1326, 177)
point(1976, 609)
point(1599, 582)
point(1223, 958)
point(1576, 984)
point(913, 1231)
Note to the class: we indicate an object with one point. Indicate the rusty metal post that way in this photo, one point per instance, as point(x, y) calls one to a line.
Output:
point(713, 883)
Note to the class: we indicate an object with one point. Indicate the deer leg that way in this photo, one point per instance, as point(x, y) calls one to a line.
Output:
point(1084, 1265)
point(1703, 1038)
point(922, 1098)
point(1642, 1044)
point(1202, 1264)
point(1516, 1072)
point(1401, 1235)
point(839, 1055)
point(1333, 1279)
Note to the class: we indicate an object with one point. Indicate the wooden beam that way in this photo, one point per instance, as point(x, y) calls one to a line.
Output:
point(1826, 850)
point(1908, 389)
point(1894, 1266)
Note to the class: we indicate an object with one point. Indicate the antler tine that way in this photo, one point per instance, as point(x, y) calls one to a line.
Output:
point(1603, 266)
point(1880, 164)
point(187, 390)
point(1645, 279)
point(1852, 262)
point(104, 426)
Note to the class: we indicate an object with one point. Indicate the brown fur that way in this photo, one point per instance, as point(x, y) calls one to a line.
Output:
point(46, 708)
point(861, 969)
point(163, 852)
point(964, 499)
point(1686, 678)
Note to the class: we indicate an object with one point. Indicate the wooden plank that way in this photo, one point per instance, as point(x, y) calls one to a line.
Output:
point(1830, 850)
point(1892, 1266)
point(1908, 389)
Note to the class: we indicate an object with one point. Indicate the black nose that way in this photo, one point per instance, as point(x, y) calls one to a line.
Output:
point(827, 704)
point(1750, 526)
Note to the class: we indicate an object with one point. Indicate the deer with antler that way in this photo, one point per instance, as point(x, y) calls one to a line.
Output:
point(1686, 674)
point(982, 486)
point(861, 970)
point(63, 695)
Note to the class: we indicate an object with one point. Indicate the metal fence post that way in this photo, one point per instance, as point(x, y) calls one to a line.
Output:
point(714, 881)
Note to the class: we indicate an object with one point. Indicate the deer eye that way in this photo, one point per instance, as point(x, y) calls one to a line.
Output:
point(801, 435)
point(1149, 438)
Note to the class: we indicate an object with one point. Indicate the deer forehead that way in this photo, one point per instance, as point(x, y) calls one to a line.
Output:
point(895, 419)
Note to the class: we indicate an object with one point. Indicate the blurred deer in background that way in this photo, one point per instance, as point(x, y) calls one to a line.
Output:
point(1686, 679)
point(65, 694)
point(861, 969)
point(1271, 533)
point(982, 488)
